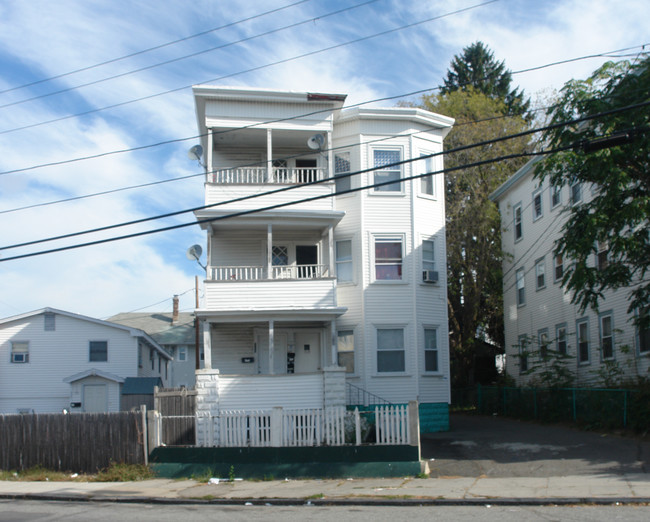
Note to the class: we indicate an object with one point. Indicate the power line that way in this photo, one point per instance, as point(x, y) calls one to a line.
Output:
point(293, 187)
point(253, 69)
point(154, 48)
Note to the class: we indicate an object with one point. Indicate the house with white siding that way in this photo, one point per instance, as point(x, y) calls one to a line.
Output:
point(541, 323)
point(51, 360)
point(321, 289)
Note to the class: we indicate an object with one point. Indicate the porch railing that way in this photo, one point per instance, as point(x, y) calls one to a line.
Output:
point(259, 175)
point(259, 273)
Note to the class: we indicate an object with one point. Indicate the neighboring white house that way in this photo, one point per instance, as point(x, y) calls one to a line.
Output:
point(176, 333)
point(51, 360)
point(349, 290)
point(538, 313)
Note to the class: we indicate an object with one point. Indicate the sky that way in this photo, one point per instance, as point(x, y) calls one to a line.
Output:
point(82, 78)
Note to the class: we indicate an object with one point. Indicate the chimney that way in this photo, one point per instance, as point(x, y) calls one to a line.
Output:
point(175, 309)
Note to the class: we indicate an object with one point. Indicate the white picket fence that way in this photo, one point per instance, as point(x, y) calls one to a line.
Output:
point(298, 427)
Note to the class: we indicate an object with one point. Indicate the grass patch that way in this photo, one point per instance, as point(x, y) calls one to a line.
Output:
point(119, 472)
point(39, 474)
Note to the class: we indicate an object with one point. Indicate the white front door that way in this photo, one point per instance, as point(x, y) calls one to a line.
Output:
point(95, 399)
point(279, 354)
point(308, 353)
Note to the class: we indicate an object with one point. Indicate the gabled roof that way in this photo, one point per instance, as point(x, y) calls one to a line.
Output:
point(512, 180)
point(94, 372)
point(134, 332)
point(161, 327)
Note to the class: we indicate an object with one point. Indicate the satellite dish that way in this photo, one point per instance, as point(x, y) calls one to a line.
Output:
point(195, 153)
point(194, 252)
point(316, 142)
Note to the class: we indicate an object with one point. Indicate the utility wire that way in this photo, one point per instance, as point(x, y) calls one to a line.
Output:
point(253, 69)
point(293, 187)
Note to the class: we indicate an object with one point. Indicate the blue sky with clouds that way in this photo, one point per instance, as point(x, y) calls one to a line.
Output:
point(93, 114)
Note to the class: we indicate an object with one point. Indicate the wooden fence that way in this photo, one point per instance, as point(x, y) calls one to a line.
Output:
point(177, 407)
point(77, 442)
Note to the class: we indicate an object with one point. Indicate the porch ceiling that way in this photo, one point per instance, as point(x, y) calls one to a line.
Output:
point(289, 315)
point(286, 220)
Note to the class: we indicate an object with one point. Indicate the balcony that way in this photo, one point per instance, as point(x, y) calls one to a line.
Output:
point(260, 176)
point(258, 273)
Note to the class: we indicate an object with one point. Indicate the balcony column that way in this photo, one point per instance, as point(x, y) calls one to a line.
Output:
point(269, 155)
point(335, 338)
point(269, 251)
point(207, 346)
point(330, 156)
point(209, 152)
point(330, 245)
point(271, 346)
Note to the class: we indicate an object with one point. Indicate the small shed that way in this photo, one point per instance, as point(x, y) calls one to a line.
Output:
point(137, 391)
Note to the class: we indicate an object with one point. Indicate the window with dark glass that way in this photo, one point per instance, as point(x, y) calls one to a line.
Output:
point(388, 259)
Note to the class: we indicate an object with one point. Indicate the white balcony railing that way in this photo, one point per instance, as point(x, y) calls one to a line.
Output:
point(259, 175)
point(260, 273)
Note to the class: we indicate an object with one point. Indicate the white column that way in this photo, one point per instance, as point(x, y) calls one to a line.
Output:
point(269, 155)
point(335, 343)
point(207, 346)
point(209, 152)
point(271, 346)
point(330, 156)
point(269, 251)
point(330, 245)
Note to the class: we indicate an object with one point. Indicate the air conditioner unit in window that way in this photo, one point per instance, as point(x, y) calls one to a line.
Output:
point(430, 276)
point(19, 357)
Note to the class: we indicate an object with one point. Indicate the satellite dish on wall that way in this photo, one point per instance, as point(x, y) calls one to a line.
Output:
point(194, 252)
point(195, 153)
point(316, 142)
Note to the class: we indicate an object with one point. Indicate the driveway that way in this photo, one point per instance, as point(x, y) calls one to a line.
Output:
point(482, 446)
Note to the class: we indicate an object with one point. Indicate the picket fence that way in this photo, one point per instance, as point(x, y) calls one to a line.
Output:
point(294, 427)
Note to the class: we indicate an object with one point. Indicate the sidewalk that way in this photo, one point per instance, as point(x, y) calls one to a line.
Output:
point(602, 489)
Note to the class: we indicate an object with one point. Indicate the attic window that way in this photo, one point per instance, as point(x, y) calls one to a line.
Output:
point(49, 324)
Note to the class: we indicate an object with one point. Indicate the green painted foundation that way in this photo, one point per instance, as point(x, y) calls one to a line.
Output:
point(280, 463)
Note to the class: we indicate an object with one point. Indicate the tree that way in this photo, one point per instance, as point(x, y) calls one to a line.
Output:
point(473, 224)
point(612, 220)
point(476, 68)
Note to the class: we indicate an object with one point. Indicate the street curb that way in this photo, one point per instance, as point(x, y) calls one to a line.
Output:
point(361, 501)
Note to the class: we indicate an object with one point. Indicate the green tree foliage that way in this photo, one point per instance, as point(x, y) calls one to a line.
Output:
point(615, 183)
point(473, 223)
point(477, 69)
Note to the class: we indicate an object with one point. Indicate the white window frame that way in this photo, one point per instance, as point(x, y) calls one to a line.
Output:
point(387, 190)
point(584, 322)
point(347, 262)
point(379, 350)
point(576, 192)
point(643, 335)
point(606, 336)
point(428, 264)
point(556, 190)
point(388, 238)
point(347, 332)
point(540, 273)
point(557, 266)
point(522, 344)
point(90, 351)
point(19, 352)
point(543, 342)
point(602, 255)
point(520, 286)
point(561, 344)
point(428, 349)
point(182, 353)
point(537, 197)
point(49, 322)
point(347, 181)
point(427, 164)
point(517, 219)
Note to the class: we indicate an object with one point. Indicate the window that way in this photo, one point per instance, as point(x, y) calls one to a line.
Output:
point(543, 343)
point(428, 258)
point(576, 192)
point(390, 350)
point(606, 337)
point(139, 357)
point(602, 261)
point(345, 348)
point(280, 256)
point(98, 351)
point(517, 218)
point(388, 259)
point(556, 195)
point(560, 338)
point(344, 260)
point(49, 324)
point(521, 287)
point(19, 352)
point(159, 364)
point(644, 331)
point(385, 172)
point(342, 166)
point(431, 350)
point(426, 183)
point(151, 358)
point(523, 353)
point(540, 276)
point(182, 353)
point(558, 266)
point(537, 205)
point(582, 328)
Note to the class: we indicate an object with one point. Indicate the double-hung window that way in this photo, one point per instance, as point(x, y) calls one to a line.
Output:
point(582, 334)
point(427, 186)
point(543, 342)
point(390, 350)
point(576, 192)
point(606, 337)
point(388, 258)
point(558, 267)
point(19, 352)
point(342, 166)
point(560, 339)
point(602, 260)
point(385, 171)
point(523, 353)
point(182, 353)
point(344, 271)
point(428, 260)
point(521, 287)
point(537, 205)
point(49, 322)
point(345, 348)
point(540, 274)
point(644, 331)
point(556, 195)
point(431, 350)
point(517, 222)
point(98, 351)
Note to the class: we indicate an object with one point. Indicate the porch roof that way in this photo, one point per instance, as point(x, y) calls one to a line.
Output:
point(257, 315)
point(280, 218)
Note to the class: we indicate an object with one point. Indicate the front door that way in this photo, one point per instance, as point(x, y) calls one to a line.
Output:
point(279, 354)
point(306, 260)
point(308, 353)
point(95, 398)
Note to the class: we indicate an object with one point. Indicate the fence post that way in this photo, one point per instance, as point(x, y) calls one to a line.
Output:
point(413, 433)
point(145, 434)
point(276, 427)
point(357, 426)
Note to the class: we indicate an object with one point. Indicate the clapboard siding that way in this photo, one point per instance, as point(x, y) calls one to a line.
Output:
point(218, 193)
point(266, 391)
